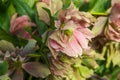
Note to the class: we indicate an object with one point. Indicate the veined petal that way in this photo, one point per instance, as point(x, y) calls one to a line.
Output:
point(81, 39)
point(18, 21)
point(72, 48)
point(55, 45)
point(53, 51)
point(69, 51)
point(56, 37)
point(87, 33)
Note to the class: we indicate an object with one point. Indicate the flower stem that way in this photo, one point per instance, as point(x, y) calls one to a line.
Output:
point(30, 77)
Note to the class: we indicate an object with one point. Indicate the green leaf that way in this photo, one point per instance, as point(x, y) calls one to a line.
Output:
point(6, 36)
point(5, 18)
point(11, 10)
point(99, 7)
point(99, 26)
point(114, 75)
point(34, 55)
point(4, 21)
point(42, 26)
point(84, 7)
point(12, 39)
point(89, 62)
point(111, 52)
point(85, 72)
point(30, 2)
point(3, 68)
point(66, 3)
point(100, 69)
point(92, 3)
point(4, 77)
point(4, 4)
point(52, 22)
point(78, 3)
point(115, 59)
point(22, 8)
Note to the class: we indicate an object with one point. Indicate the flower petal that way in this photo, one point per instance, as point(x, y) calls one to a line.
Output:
point(29, 48)
point(112, 34)
point(13, 18)
point(23, 34)
point(18, 75)
point(36, 69)
point(43, 15)
point(72, 48)
point(19, 21)
point(81, 39)
point(87, 33)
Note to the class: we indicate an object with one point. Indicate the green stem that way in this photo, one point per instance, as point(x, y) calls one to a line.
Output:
point(30, 77)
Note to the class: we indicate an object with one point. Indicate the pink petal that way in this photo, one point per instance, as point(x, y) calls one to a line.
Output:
point(18, 75)
point(87, 33)
point(73, 48)
point(112, 34)
point(54, 52)
point(81, 39)
point(55, 45)
point(115, 14)
point(69, 51)
point(24, 34)
point(19, 21)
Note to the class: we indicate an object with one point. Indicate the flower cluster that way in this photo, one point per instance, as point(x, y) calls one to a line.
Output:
point(59, 39)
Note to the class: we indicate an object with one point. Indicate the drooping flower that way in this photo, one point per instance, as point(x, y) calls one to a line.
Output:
point(72, 34)
point(52, 5)
point(112, 31)
point(18, 25)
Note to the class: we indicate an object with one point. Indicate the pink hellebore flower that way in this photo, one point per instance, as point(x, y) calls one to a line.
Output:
point(17, 26)
point(113, 29)
point(72, 34)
